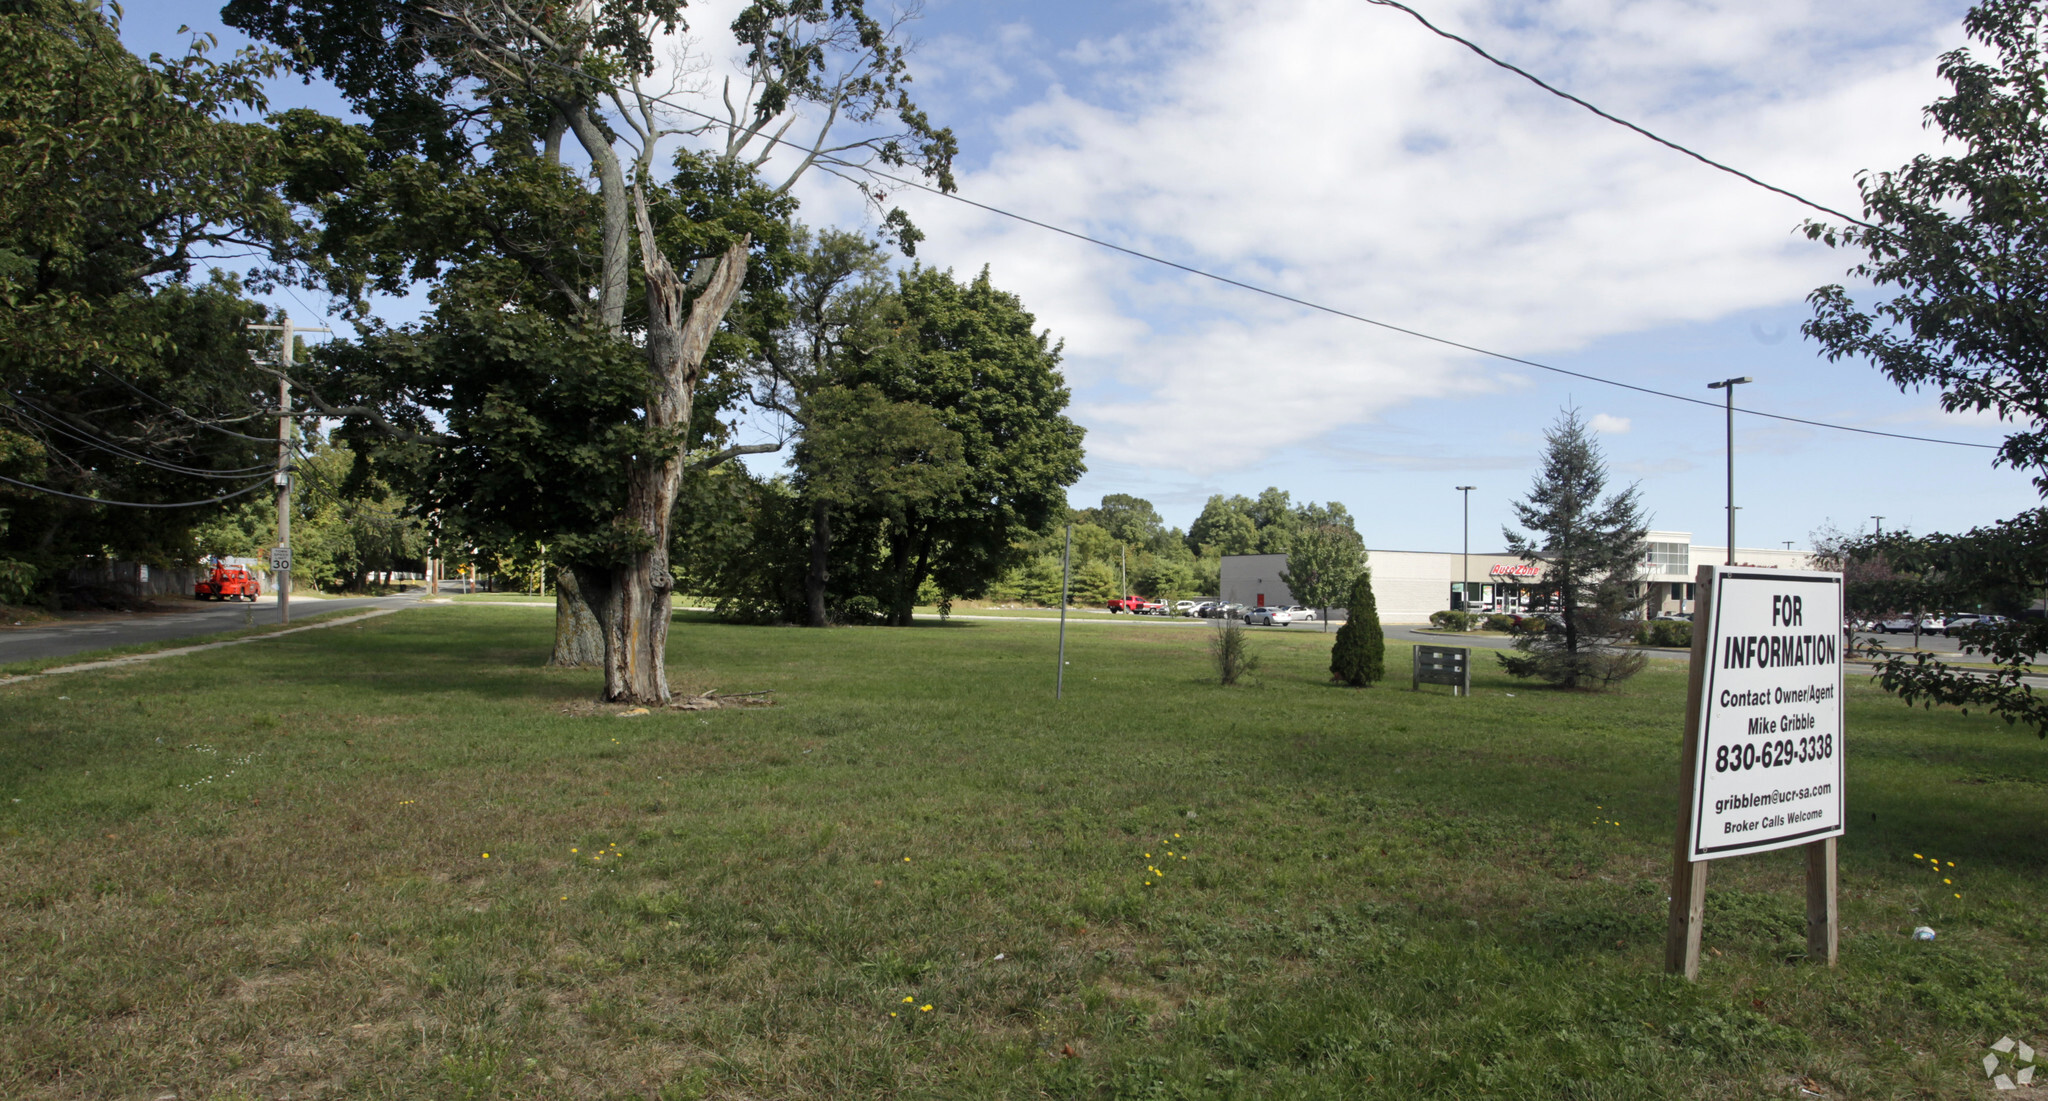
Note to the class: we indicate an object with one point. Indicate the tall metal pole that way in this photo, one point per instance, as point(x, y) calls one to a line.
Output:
point(1465, 563)
point(1880, 524)
point(1059, 679)
point(1729, 384)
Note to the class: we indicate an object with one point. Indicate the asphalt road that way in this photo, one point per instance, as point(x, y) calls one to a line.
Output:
point(100, 632)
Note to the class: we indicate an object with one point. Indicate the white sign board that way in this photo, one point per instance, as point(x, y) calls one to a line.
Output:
point(1769, 772)
point(280, 558)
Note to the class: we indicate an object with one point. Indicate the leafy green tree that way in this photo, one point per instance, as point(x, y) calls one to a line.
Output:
point(881, 461)
point(1591, 551)
point(1224, 527)
point(124, 366)
point(968, 352)
point(1359, 657)
point(1131, 521)
point(1960, 242)
point(1324, 557)
point(468, 103)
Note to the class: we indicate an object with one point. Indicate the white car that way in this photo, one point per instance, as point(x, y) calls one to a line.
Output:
point(1263, 616)
point(1898, 625)
point(1300, 614)
point(1184, 607)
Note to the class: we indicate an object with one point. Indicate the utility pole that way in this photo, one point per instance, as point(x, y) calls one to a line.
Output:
point(1465, 560)
point(1880, 524)
point(1729, 384)
point(281, 555)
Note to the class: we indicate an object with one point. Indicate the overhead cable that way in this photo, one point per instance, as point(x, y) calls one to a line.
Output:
point(35, 414)
point(1389, 326)
point(244, 491)
point(201, 422)
point(1622, 122)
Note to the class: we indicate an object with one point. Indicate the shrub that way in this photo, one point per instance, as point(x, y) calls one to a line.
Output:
point(1451, 620)
point(1665, 632)
point(1499, 622)
point(1360, 655)
point(17, 581)
point(1231, 650)
point(861, 611)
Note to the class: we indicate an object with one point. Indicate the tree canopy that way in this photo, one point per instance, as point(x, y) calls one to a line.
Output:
point(1959, 243)
point(124, 369)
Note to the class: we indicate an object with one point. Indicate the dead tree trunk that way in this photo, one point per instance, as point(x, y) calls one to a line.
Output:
point(579, 637)
point(635, 611)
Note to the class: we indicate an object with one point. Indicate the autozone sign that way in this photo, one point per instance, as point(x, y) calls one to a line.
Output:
point(1524, 570)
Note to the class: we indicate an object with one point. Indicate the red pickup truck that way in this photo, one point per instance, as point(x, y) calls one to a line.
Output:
point(227, 583)
point(1137, 605)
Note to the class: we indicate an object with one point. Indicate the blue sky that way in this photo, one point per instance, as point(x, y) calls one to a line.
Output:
point(1336, 151)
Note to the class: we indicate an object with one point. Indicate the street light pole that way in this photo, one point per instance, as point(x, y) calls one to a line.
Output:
point(1465, 558)
point(1880, 524)
point(1729, 384)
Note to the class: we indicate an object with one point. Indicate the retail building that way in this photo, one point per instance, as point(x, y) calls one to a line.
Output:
point(1409, 585)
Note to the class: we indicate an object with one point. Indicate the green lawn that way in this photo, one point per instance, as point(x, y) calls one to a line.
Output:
point(261, 872)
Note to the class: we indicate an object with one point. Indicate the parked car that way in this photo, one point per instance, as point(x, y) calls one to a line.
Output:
point(1201, 609)
point(1301, 614)
point(1184, 607)
point(1683, 617)
point(1904, 624)
point(1225, 611)
point(1957, 623)
point(1264, 616)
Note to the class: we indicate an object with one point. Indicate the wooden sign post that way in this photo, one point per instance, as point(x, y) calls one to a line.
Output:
point(1761, 767)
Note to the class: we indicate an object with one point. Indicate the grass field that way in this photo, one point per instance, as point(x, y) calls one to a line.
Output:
point(398, 859)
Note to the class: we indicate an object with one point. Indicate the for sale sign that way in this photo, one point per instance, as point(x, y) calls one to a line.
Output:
point(1768, 770)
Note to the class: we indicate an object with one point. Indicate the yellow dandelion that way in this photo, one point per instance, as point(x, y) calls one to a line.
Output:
point(572, 850)
point(487, 856)
point(908, 998)
point(924, 1009)
point(906, 860)
point(892, 1014)
point(565, 898)
point(1951, 863)
point(1169, 852)
point(1148, 856)
point(1959, 896)
point(1917, 856)
point(1950, 882)
point(1176, 835)
point(1183, 858)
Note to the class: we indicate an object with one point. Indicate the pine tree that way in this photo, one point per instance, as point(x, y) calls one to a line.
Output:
point(1360, 656)
point(1590, 550)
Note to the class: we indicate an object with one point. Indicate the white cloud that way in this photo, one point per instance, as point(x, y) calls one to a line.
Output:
point(1608, 425)
point(1337, 152)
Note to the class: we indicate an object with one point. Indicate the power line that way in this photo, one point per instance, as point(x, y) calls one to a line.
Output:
point(206, 424)
point(1622, 122)
point(35, 414)
point(1389, 326)
point(137, 504)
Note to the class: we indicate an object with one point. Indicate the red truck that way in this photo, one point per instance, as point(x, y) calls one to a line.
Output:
point(227, 583)
point(1137, 605)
